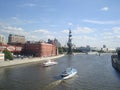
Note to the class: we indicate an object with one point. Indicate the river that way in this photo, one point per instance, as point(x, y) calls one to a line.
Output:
point(94, 73)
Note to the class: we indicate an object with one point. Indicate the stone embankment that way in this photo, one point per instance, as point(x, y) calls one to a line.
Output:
point(26, 60)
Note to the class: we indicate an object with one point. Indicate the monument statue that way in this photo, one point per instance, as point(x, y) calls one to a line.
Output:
point(69, 43)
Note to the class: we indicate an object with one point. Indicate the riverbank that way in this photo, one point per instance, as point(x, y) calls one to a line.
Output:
point(26, 60)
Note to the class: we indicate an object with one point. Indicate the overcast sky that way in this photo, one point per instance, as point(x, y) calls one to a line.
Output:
point(92, 22)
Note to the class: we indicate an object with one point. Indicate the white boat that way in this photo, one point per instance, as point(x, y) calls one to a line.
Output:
point(68, 73)
point(49, 63)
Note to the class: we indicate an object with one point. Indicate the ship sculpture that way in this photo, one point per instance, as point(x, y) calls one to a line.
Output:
point(69, 44)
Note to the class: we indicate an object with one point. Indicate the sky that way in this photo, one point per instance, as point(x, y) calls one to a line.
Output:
point(92, 22)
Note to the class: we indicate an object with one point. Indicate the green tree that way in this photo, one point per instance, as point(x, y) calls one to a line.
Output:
point(60, 50)
point(8, 55)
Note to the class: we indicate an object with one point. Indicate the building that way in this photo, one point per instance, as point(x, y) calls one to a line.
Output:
point(1, 57)
point(13, 49)
point(84, 49)
point(2, 39)
point(112, 50)
point(48, 50)
point(15, 39)
point(55, 41)
point(39, 49)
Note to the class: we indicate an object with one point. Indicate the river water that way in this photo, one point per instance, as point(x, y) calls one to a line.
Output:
point(94, 73)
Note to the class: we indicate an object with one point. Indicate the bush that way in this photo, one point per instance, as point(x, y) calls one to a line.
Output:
point(8, 55)
point(60, 50)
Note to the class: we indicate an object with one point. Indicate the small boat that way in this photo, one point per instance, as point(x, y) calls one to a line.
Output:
point(49, 63)
point(68, 73)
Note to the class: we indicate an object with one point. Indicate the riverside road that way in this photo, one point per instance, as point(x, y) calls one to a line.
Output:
point(94, 73)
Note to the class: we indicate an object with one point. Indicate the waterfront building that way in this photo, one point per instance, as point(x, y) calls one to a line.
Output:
point(1, 57)
point(15, 39)
point(55, 42)
point(11, 48)
point(111, 49)
point(84, 49)
point(2, 39)
point(39, 49)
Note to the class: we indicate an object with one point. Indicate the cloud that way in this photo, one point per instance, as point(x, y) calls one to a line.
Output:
point(111, 41)
point(105, 8)
point(70, 24)
point(47, 8)
point(81, 36)
point(85, 37)
point(10, 29)
point(79, 30)
point(83, 40)
point(42, 31)
point(6, 29)
point(35, 35)
point(43, 34)
point(18, 21)
point(65, 31)
point(111, 38)
point(53, 25)
point(102, 22)
point(78, 34)
point(107, 32)
point(27, 5)
point(116, 30)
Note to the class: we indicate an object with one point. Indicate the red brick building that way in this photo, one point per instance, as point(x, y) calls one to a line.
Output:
point(40, 49)
point(11, 48)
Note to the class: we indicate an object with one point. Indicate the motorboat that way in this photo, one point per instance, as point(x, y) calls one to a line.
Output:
point(68, 73)
point(49, 63)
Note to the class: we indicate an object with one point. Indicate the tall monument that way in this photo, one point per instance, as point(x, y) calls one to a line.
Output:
point(69, 44)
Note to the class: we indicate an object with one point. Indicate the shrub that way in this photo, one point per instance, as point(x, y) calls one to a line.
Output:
point(8, 55)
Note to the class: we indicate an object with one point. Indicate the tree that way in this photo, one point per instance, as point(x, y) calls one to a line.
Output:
point(8, 55)
point(60, 50)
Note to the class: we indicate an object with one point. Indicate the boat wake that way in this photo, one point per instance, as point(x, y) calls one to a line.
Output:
point(53, 85)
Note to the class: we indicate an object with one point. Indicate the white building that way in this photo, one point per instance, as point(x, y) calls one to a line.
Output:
point(111, 49)
point(1, 57)
point(2, 39)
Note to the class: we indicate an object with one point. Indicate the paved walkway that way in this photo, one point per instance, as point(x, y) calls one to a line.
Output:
point(26, 60)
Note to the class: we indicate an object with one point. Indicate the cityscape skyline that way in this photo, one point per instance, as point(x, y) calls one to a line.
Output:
point(95, 22)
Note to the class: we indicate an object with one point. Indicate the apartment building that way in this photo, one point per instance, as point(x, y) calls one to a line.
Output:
point(16, 39)
point(2, 39)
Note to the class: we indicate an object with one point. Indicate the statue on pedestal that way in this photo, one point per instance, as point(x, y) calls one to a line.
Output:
point(69, 44)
